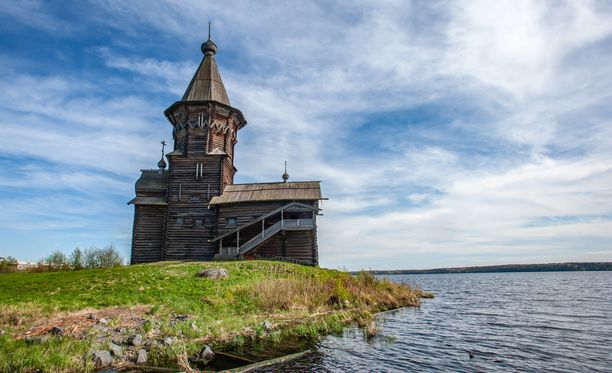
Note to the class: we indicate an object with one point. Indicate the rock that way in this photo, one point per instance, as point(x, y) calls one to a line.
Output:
point(267, 325)
point(1, 332)
point(142, 357)
point(213, 273)
point(56, 330)
point(180, 317)
point(168, 341)
point(206, 354)
point(104, 321)
point(92, 316)
point(347, 303)
point(102, 358)
point(116, 350)
point(194, 326)
point(135, 340)
point(36, 340)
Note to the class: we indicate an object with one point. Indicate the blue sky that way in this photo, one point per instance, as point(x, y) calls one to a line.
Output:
point(445, 133)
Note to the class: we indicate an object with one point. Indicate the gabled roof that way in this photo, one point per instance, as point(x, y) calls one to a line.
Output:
point(289, 191)
point(152, 181)
point(206, 84)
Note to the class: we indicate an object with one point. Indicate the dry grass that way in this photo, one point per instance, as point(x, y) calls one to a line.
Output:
point(320, 294)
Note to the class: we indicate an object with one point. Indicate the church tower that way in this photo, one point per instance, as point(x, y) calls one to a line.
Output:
point(205, 129)
point(189, 207)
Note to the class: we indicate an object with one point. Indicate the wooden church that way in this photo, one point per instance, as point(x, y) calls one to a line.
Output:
point(190, 208)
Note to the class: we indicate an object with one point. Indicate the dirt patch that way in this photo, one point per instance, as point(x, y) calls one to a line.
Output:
point(77, 324)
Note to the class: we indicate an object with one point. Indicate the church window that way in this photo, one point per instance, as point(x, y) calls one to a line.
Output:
point(180, 220)
point(199, 222)
point(231, 221)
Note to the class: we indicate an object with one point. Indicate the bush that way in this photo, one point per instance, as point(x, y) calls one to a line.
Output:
point(107, 257)
point(8, 265)
point(57, 261)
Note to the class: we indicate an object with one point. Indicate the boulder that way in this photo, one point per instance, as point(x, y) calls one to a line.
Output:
point(206, 354)
point(102, 358)
point(213, 273)
point(194, 326)
point(168, 341)
point(56, 330)
point(135, 340)
point(1, 332)
point(142, 357)
point(104, 321)
point(116, 350)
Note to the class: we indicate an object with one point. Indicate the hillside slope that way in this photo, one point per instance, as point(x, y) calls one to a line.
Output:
point(175, 311)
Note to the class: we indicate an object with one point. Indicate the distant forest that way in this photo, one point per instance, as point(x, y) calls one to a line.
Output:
point(547, 267)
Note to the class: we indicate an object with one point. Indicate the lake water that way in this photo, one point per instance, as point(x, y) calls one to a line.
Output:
point(526, 322)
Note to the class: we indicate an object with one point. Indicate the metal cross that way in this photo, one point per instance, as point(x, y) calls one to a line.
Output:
point(163, 146)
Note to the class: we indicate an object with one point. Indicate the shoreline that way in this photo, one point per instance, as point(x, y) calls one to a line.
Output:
point(175, 312)
point(504, 268)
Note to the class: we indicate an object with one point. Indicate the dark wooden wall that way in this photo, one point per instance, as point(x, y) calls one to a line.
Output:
point(301, 245)
point(148, 234)
point(207, 127)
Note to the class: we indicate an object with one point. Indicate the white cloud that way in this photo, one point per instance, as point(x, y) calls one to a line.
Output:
point(529, 83)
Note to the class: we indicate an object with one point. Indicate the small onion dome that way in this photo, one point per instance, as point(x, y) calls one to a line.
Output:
point(285, 176)
point(209, 47)
point(161, 164)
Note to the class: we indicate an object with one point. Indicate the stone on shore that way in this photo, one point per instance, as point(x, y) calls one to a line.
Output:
point(56, 330)
point(135, 340)
point(213, 273)
point(267, 325)
point(116, 350)
point(142, 357)
point(206, 354)
point(102, 358)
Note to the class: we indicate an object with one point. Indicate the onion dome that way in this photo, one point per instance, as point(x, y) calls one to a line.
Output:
point(161, 164)
point(285, 175)
point(209, 47)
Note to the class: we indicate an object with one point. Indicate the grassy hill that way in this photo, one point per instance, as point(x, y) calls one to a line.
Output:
point(259, 300)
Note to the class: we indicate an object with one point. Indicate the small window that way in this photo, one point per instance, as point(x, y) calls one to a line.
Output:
point(199, 223)
point(180, 220)
point(231, 221)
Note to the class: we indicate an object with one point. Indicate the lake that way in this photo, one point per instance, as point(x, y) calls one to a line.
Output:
point(545, 321)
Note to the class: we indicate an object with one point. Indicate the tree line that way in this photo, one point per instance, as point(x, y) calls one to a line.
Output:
point(107, 257)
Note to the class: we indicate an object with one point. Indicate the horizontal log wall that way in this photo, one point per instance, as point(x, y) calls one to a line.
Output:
point(188, 200)
point(148, 234)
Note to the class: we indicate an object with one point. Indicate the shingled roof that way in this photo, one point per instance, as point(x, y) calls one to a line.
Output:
point(289, 191)
point(206, 84)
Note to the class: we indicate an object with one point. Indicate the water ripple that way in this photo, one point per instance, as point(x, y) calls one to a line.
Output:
point(506, 322)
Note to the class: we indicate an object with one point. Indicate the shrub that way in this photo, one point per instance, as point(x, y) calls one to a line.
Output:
point(8, 264)
point(57, 261)
point(76, 259)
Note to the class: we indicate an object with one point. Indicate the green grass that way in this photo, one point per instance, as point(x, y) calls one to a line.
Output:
point(298, 300)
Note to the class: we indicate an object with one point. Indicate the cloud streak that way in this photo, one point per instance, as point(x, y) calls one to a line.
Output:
point(444, 134)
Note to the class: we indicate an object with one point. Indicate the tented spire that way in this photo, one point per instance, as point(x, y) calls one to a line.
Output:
point(206, 84)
